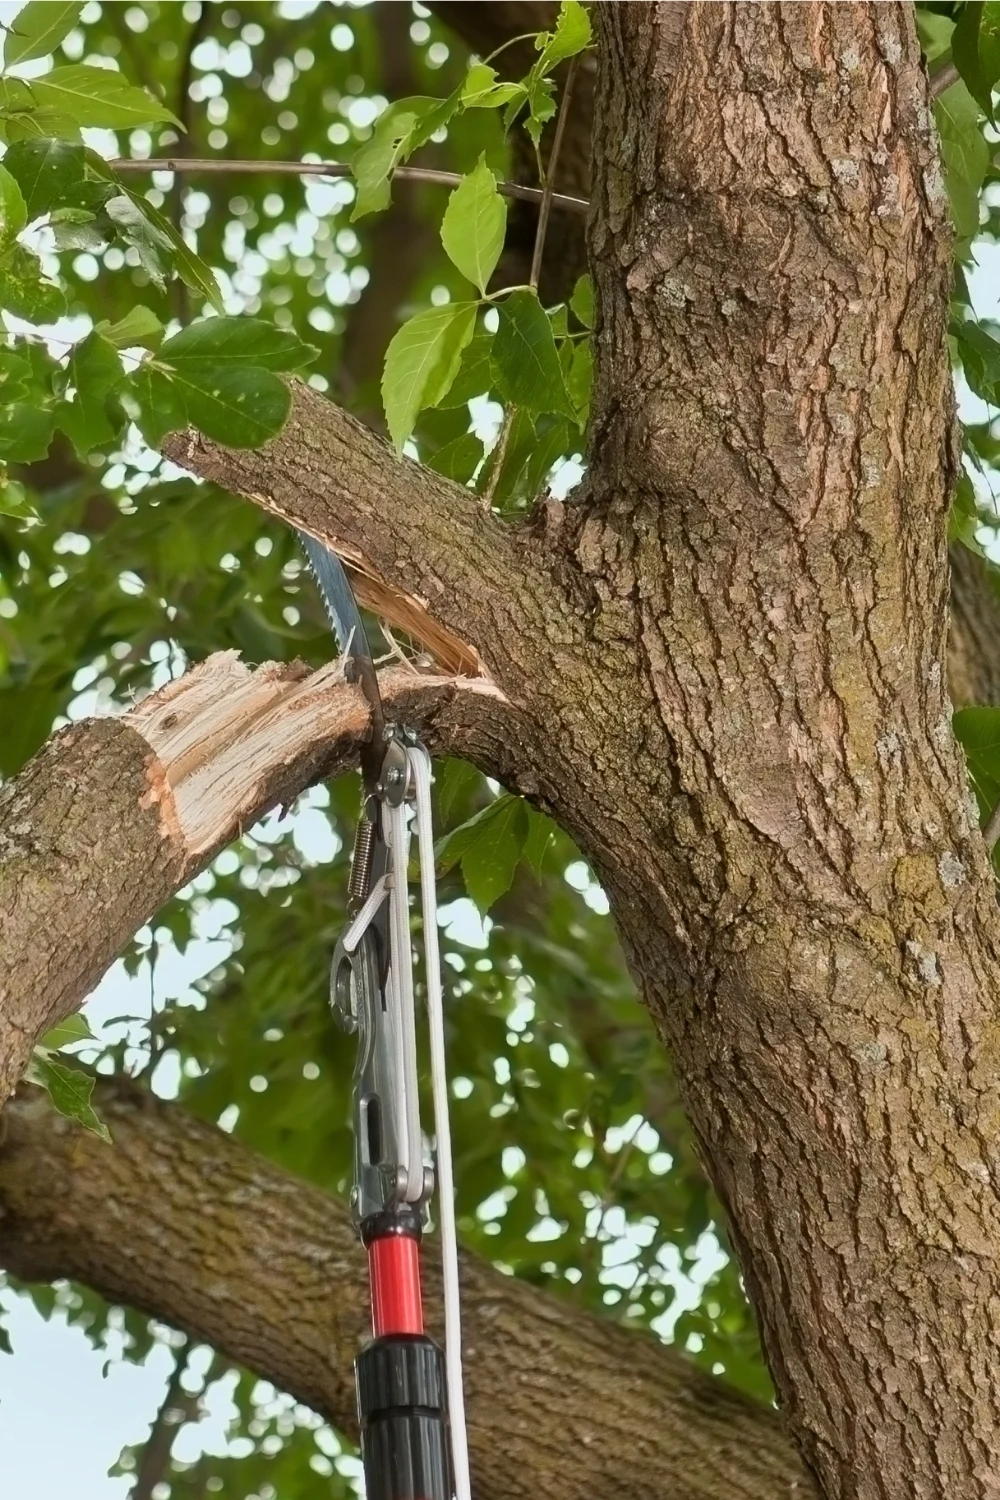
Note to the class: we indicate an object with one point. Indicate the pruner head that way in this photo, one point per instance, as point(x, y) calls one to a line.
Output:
point(381, 1174)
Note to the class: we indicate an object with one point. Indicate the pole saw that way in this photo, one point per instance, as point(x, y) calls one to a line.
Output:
point(410, 1397)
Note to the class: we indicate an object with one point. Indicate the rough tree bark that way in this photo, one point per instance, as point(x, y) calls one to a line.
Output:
point(724, 674)
point(974, 636)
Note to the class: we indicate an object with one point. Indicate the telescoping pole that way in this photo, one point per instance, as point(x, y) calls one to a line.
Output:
point(402, 1402)
point(401, 1375)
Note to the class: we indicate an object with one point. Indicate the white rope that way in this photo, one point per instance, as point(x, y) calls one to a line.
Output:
point(420, 766)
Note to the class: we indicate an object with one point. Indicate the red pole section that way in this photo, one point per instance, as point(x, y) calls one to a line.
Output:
point(394, 1268)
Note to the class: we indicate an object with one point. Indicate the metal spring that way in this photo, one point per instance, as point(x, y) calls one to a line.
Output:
point(364, 839)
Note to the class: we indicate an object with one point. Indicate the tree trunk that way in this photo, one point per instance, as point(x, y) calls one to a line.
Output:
point(735, 701)
point(811, 917)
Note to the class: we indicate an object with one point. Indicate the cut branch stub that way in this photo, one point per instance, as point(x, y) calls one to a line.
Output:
point(114, 815)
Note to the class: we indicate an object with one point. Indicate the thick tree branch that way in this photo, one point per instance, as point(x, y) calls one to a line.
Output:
point(268, 1271)
point(114, 815)
point(421, 553)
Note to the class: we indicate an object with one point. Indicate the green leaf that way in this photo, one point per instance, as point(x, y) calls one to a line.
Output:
point(141, 233)
point(37, 30)
point(23, 118)
point(24, 292)
point(15, 377)
point(375, 162)
point(14, 502)
point(189, 266)
point(25, 432)
point(13, 211)
point(474, 224)
point(552, 442)
point(531, 451)
point(579, 380)
point(506, 487)
point(448, 851)
point(238, 341)
point(540, 836)
point(582, 300)
point(572, 34)
point(159, 404)
point(97, 97)
point(975, 50)
point(489, 862)
point(474, 378)
point(70, 1092)
point(935, 32)
point(963, 518)
point(73, 1029)
point(55, 174)
point(978, 732)
point(399, 130)
point(26, 714)
point(966, 155)
point(482, 91)
point(76, 229)
point(140, 328)
point(458, 459)
point(421, 362)
point(980, 356)
point(455, 782)
point(541, 103)
point(95, 372)
point(526, 365)
point(239, 405)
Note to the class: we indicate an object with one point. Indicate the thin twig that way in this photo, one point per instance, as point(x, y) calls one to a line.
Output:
point(943, 79)
point(549, 178)
point(156, 1453)
point(548, 197)
point(184, 145)
point(992, 830)
point(196, 164)
point(498, 455)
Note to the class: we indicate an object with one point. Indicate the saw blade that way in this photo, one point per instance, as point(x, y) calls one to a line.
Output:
point(345, 617)
point(338, 598)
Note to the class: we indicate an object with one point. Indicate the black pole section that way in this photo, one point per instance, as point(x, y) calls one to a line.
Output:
point(404, 1422)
